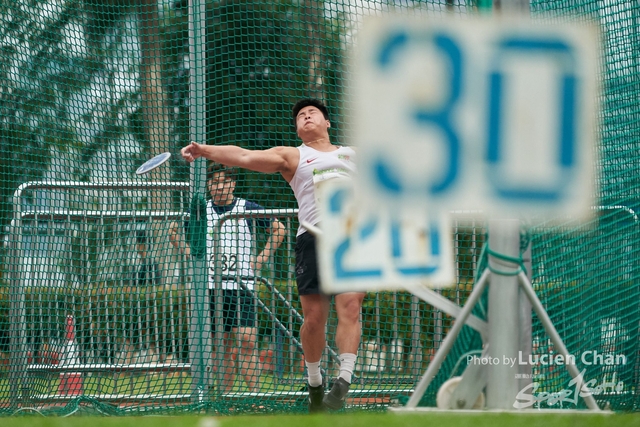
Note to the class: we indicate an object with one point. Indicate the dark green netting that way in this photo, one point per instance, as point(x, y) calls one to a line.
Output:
point(97, 308)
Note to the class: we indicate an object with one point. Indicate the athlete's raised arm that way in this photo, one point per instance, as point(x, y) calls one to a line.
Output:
point(278, 159)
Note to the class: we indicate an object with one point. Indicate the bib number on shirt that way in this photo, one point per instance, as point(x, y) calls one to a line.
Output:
point(229, 264)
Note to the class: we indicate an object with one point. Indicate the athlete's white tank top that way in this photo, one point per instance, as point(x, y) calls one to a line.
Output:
point(234, 248)
point(313, 167)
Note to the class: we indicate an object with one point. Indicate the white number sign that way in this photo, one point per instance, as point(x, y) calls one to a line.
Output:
point(361, 251)
point(479, 113)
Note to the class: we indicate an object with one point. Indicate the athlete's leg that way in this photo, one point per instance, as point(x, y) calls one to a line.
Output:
point(349, 331)
point(315, 309)
point(348, 308)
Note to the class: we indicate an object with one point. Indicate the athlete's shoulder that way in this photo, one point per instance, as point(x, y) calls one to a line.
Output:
point(284, 150)
point(290, 158)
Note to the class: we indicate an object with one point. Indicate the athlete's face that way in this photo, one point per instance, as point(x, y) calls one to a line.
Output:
point(221, 188)
point(311, 121)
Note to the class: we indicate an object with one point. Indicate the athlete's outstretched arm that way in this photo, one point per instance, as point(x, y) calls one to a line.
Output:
point(277, 159)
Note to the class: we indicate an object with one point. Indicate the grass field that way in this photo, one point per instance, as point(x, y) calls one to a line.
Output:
point(338, 420)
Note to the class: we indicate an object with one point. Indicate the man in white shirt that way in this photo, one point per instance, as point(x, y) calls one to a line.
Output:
point(316, 156)
point(234, 253)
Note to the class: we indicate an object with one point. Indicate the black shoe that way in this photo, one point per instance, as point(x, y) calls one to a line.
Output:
point(335, 398)
point(315, 398)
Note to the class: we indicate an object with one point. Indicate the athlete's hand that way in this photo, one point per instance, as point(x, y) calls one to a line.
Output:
point(191, 152)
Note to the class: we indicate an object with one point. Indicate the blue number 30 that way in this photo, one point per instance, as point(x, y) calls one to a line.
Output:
point(389, 176)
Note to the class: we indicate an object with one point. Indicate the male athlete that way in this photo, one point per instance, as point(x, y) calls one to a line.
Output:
point(303, 166)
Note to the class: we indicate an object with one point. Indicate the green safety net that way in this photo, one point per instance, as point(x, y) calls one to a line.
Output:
point(105, 304)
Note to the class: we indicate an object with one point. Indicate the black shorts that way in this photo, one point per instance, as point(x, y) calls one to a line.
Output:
point(307, 265)
point(238, 309)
